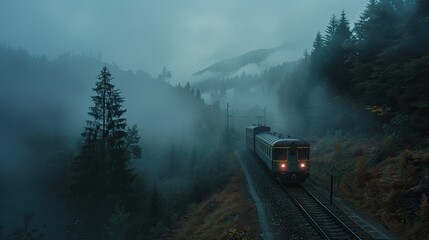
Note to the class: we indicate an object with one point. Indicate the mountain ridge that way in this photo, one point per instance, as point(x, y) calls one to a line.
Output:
point(229, 65)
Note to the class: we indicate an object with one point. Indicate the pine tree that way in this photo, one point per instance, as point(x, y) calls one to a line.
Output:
point(343, 31)
point(422, 7)
point(165, 75)
point(198, 94)
point(305, 54)
point(187, 87)
point(317, 52)
point(155, 206)
point(330, 30)
point(173, 162)
point(317, 44)
point(101, 178)
point(336, 53)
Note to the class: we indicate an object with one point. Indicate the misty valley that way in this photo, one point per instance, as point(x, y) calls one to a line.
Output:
point(214, 143)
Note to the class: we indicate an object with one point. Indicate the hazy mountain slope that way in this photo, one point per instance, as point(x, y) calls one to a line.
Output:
point(252, 62)
point(44, 106)
point(254, 70)
point(35, 86)
point(232, 64)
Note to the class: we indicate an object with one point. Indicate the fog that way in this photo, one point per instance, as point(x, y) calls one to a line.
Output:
point(185, 36)
point(52, 51)
point(45, 106)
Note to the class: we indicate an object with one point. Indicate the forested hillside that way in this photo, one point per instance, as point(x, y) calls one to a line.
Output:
point(90, 151)
point(361, 95)
point(378, 69)
point(382, 64)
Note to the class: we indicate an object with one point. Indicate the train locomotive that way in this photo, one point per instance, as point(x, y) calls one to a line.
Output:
point(286, 158)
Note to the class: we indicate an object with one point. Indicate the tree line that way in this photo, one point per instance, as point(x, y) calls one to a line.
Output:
point(380, 66)
point(101, 178)
point(112, 201)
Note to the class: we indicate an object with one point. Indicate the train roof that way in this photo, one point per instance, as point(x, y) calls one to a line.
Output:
point(277, 141)
point(256, 126)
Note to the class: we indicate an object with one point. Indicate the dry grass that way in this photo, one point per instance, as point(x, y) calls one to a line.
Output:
point(227, 214)
point(392, 187)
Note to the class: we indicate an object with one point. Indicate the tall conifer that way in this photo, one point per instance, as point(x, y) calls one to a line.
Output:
point(101, 178)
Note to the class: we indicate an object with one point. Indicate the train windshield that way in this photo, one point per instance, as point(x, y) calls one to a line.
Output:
point(303, 153)
point(280, 154)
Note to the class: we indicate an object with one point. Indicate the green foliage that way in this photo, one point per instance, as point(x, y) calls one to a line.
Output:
point(388, 44)
point(155, 205)
point(187, 87)
point(28, 231)
point(336, 52)
point(317, 52)
point(385, 180)
point(165, 75)
point(101, 179)
point(174, 162)
point(331, 30)
point(77, 229)
point(117, 227)
point(382, 64)
point(399, 126)
point(132, 140)
point(176, 195)
point(156, 231)
point(212, 174)
point(294, 97)
point(172, 197)
point(240, 233)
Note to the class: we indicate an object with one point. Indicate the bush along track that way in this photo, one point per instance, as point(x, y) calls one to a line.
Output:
point(388, 182)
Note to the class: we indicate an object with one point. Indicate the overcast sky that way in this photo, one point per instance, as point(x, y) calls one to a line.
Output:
point(183, 35)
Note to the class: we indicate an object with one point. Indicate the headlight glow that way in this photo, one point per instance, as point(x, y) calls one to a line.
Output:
point(303, 165)
point(283, 165)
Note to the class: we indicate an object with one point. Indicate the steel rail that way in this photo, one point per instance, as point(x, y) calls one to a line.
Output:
point(302, 209)
point(330, 212)
point(320, 204)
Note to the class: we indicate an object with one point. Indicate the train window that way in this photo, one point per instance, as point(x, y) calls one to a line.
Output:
point(280, 153)
point(302, 153)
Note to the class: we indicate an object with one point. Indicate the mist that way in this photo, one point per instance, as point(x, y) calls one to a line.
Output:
point(184, 36)
point(254, 58)
point(46, 105)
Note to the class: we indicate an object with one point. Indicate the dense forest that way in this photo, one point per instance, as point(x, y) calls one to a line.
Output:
point(379, 70)
point(361, 95)
point(381, 65)
point(98, 159)
point(369, 78)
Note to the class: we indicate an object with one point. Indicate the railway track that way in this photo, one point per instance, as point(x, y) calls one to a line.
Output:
point(328, 225)
point(318, 215)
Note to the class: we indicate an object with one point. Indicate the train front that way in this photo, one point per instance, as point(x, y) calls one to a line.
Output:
point(291, 158)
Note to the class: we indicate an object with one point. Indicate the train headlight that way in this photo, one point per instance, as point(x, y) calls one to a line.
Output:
point(302, 165)
point(283, 165)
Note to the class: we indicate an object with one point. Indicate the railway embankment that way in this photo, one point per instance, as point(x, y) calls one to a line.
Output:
point(278, 216)
point(386, 180)
point(227, 213)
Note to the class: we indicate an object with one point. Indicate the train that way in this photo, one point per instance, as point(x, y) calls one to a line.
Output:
point(285, 157)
